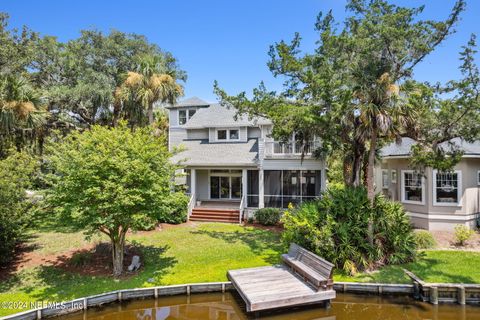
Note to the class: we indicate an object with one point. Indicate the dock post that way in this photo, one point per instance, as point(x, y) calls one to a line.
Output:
point(434, 295)
point(416, 290)
point(461, 295)
point(328, 304)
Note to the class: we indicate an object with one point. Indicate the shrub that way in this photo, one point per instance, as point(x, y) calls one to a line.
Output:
point(462, 234)
point(16, 173)
point(424, 240)
point(336, 228)
point(267, 216)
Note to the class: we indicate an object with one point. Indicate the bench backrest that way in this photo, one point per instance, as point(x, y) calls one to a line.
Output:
point(321, 266)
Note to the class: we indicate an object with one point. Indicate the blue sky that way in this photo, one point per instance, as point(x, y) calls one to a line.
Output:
point(225, 40)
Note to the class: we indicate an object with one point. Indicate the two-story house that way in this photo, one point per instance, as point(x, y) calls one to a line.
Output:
point(234, 166)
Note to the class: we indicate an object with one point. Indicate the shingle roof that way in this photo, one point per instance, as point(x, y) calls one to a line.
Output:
point(403, 148)
point(190, 102)
point(217, 116)
point(203, 153)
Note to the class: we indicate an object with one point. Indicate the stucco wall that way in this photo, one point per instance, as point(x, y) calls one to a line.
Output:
point(429, 215)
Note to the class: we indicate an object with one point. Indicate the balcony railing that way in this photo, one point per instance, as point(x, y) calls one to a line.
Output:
point(273, 148)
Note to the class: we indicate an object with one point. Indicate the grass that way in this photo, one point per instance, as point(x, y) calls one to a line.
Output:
point(202, 253)
point(184, 254)
point(445, 266)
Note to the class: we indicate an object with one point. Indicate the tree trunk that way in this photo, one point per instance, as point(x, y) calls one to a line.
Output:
point(371, 164)
point(118, 246)
point(150, 114)
point(370, 178)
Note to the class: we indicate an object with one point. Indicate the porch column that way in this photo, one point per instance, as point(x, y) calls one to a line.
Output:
point(244, 184)
point(193, 181)
point(261, 200)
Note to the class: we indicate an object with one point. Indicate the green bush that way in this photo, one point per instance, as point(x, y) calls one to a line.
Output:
point(267, 216)
point(337, 228)
point(16, 173)
point(424, 240)
point(462, 234)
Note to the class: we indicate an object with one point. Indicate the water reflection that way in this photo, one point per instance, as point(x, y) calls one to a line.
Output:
point(230, 307)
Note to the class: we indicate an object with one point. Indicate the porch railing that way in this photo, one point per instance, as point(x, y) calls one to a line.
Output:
point(241, 209)
point(277, 148)
point(191, 205)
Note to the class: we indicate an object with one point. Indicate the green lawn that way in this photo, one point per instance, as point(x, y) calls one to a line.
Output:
point(175, 255)
point(202, 253)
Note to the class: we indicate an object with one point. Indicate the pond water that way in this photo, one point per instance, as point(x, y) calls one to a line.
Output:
point(230, 306)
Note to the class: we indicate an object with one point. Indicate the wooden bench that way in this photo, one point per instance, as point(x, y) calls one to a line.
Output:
point(312, 268)
point(304, 279)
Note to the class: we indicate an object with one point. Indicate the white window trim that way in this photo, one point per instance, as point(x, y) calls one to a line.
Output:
point(459, 191)
point(228, 134)
point(387, 173)
point(478, 178)
point(187, 114)
point(402, 172)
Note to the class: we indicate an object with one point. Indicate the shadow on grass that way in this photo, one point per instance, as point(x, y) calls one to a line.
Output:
point(58, 282)
point(259, 241)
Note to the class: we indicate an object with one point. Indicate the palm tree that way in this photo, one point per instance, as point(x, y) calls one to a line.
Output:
point(151, 83)
point(20, 118)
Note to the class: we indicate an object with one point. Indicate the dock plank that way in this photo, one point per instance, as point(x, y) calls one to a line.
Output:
point(274, 287)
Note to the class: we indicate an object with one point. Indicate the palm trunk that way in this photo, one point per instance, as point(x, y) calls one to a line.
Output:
point(118, 246)
point(370, 179)
point(371, 165)
point(150, 114)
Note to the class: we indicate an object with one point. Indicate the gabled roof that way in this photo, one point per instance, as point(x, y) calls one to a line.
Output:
point(402, 149)
point(190, 102)
point(203, 153)
point(218, 116)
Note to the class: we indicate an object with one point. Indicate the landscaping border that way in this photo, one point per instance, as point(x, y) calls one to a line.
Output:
point(419, 290)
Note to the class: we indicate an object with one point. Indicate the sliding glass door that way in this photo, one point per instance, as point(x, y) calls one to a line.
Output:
point(225, 184)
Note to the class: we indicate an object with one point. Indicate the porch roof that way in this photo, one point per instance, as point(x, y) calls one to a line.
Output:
point(203, 153)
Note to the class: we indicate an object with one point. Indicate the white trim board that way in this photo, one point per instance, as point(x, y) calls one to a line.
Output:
point(446, 217)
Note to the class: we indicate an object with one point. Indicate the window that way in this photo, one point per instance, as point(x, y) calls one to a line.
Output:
point(385, 177)
point(447, 188)
point(228, 134)
point(393, 176)
point(185, 115)
point(478, 177)
point(234, 134)
point(222, 135)
point(413, 190)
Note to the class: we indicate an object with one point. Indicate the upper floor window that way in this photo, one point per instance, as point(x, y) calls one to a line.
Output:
point(478, 177)
point(447, 188)
point(413, 187)
point(228, 134)
point(185, 115)
point(295, 145)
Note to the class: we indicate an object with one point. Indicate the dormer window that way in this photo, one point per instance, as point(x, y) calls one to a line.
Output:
point(185, 115)
point(228, 134)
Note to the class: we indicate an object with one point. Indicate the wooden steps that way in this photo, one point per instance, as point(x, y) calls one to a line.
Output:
point(215, 215)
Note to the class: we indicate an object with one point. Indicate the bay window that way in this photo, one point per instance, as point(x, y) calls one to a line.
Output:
point(447, 188)
point(413, 187)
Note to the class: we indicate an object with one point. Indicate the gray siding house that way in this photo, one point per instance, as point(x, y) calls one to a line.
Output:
point(434, 200)
point(234, 166)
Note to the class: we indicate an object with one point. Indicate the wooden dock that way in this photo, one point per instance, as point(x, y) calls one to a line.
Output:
point(305, 279)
